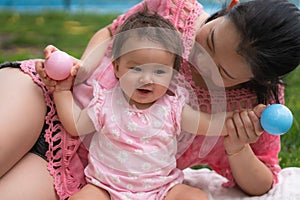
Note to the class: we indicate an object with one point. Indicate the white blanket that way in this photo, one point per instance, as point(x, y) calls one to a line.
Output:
point(288, 187)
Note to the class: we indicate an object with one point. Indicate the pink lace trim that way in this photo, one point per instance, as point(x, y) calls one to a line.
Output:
point(63, 159)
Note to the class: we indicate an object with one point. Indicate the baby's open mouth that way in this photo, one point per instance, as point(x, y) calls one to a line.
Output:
point(144, 91)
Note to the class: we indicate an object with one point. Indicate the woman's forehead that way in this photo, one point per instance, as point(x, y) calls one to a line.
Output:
point(227, 40)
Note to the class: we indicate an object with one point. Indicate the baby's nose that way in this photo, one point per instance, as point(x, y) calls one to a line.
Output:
point(146, 78)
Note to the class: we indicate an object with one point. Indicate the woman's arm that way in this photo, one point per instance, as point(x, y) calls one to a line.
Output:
point(93, 54)
point(243, 128)
point(251, 174)
point(98, 38)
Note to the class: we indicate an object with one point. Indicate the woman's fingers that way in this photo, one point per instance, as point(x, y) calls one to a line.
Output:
point(242, 126)
point(259, 109)
point(256, 123)
point(232, 142)
point(231, 128)
point(246, 125)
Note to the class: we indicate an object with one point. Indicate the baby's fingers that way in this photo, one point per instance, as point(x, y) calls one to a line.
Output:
point(49, 82)
point(75, 69)
point(48, 50)
point(39, 68)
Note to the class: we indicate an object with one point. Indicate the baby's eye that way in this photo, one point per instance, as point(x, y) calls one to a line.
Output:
point(136, 68)
point(159, 71)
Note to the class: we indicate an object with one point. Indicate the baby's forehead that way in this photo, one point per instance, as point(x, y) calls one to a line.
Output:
point(149, 37)
point(133, 44)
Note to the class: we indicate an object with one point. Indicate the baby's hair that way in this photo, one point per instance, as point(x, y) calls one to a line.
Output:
point(151, 27)
point(270, 42)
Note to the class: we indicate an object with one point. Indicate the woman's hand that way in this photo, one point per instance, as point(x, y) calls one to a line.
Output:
point(243, 128)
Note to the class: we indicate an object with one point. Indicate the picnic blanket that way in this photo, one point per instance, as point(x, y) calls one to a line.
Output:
point(288, 187)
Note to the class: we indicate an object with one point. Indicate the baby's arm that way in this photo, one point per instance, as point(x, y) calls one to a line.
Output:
point(75, 120)
point(202, 123)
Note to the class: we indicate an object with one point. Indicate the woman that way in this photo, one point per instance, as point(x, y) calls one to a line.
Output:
point(260, 45)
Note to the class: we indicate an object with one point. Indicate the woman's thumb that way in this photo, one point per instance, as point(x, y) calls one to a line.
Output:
point(259, 109)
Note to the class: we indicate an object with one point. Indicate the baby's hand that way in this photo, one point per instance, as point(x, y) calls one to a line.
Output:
point(40, 68)
point(76, 67)
point(48, 50)
point(55, 85)
point(64, 85)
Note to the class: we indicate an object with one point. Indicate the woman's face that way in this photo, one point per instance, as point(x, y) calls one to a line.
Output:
point(220, 40)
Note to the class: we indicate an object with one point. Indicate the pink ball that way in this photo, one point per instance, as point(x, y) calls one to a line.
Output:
point(58, 65)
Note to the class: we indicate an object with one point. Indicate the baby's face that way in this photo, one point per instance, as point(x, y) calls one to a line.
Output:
point(145, 75)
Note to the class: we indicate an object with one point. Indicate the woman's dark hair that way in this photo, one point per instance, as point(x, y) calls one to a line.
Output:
point(152, 27)
point(270, 42)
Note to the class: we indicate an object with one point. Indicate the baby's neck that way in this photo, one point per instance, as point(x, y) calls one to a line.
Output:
point(139, 106)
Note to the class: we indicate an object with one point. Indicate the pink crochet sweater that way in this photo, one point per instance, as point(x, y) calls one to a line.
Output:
point(67, 155)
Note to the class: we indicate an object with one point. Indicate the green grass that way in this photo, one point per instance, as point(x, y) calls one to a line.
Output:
point(24, 36)
point(290, 145)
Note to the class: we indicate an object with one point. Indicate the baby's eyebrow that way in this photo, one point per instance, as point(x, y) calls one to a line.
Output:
point(133, 62)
